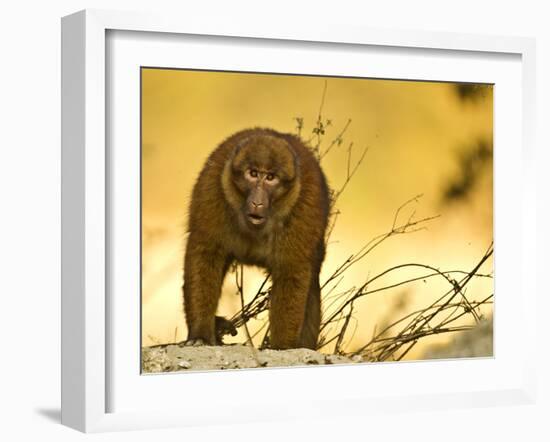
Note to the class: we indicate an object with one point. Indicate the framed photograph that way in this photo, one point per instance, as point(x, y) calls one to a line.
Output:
point(295, 222)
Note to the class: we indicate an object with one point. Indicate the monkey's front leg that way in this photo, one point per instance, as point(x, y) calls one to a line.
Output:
point(205, 268)
point(288, 304)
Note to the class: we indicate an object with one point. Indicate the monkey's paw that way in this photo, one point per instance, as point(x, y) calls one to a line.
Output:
point(193, 343)
point(223, 327)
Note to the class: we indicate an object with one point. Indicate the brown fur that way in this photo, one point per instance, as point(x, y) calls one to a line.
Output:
point(276, 220)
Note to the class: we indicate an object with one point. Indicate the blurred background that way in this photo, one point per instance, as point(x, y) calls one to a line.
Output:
point(428, 138)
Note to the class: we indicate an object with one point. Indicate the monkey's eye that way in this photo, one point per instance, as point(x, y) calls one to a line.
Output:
point(253, 173)
point(271, 179)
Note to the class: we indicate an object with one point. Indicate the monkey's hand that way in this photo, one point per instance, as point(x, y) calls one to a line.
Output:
point(192, 343)
point(223, 327)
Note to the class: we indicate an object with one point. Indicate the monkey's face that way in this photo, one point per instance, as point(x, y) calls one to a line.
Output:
point(263, 170)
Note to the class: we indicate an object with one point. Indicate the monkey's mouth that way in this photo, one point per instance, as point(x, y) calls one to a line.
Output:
point(255, 219)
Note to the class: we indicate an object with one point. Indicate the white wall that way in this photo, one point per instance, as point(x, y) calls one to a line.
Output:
point(30, 221)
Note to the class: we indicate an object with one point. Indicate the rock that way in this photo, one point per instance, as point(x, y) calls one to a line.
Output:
point(156, 361)
point(338, 359)
point(311, 360)
point(184, 364)
point(172, 357)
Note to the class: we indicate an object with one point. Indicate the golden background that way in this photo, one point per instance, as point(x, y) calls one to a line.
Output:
point(417, 134)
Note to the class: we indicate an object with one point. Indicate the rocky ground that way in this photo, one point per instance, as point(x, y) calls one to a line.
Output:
point(477, 342)
point(175, 358)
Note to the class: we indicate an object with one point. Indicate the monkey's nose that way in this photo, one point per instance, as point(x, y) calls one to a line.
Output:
point(257, 204)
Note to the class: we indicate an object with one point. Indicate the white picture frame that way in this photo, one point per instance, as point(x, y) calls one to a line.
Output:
point(87, 356)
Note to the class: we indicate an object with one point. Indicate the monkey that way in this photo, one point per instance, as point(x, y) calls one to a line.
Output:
point(261, 199)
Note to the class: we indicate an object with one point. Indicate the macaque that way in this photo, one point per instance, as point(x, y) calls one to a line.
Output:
point(261, 199)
